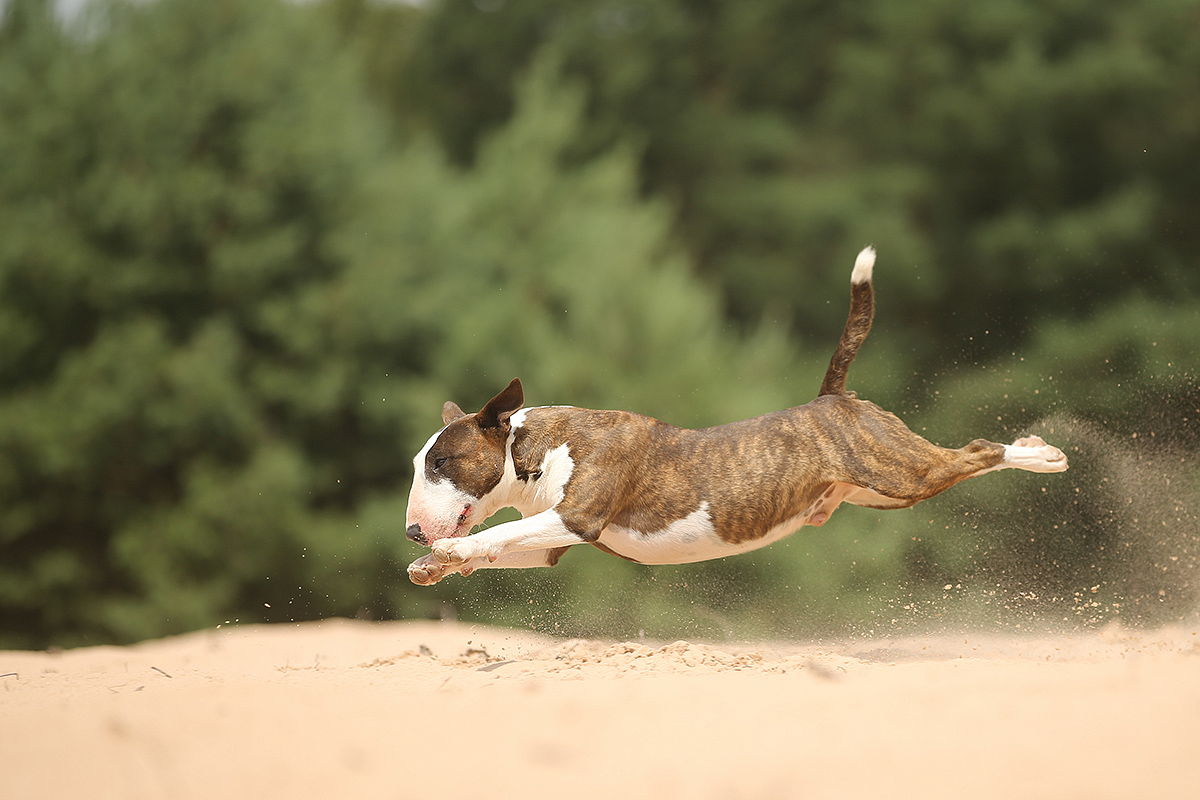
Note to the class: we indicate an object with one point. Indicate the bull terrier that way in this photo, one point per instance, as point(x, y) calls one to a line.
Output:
point(653, 493)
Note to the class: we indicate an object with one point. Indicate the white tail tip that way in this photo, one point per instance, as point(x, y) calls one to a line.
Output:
point(863, 265)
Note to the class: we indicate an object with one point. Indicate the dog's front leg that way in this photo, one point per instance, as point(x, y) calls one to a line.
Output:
point(541, 531)
point(428, 570)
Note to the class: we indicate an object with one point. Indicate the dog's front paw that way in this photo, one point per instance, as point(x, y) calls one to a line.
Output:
point(457, 552)
point(426, 571)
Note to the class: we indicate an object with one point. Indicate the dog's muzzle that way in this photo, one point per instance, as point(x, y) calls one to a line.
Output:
point(413, 532)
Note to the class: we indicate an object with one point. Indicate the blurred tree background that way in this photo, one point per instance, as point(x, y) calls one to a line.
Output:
point(247, 249)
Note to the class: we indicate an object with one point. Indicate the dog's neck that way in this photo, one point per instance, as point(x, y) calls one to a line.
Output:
point(537, 464)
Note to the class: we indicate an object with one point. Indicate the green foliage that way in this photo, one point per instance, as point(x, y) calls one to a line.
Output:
point(174, 186)
point(1006, 158)
point(525, 265)
point(248, 249)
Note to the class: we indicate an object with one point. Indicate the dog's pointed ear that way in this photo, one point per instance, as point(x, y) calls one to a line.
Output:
point(451, 412)
point(496, 411)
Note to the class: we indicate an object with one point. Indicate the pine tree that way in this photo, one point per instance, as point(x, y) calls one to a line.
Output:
point(173, 181)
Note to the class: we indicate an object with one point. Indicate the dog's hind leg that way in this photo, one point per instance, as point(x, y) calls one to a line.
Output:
point(874, 450)
point(907, 481)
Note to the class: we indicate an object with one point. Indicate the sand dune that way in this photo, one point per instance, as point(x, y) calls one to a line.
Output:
point(436, 710)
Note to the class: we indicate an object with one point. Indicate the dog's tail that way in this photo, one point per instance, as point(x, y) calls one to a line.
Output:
point(858, 325)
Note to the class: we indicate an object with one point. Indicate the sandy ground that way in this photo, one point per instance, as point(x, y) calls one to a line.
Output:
point(436, 710)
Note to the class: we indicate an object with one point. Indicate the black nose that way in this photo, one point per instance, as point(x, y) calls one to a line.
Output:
point(414, 533)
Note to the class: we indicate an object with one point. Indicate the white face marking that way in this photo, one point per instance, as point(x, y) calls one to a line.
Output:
point(434, 505)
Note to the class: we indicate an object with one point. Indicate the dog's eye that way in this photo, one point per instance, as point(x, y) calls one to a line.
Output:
point(438, 463)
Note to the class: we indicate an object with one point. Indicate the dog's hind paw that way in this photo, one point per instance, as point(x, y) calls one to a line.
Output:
point(1033, 454)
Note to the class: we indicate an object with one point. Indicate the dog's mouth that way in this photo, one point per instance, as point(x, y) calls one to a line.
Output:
point(422, 535)
point(462, 519)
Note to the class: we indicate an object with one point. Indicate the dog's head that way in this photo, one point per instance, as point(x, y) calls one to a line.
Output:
point(459, 467)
